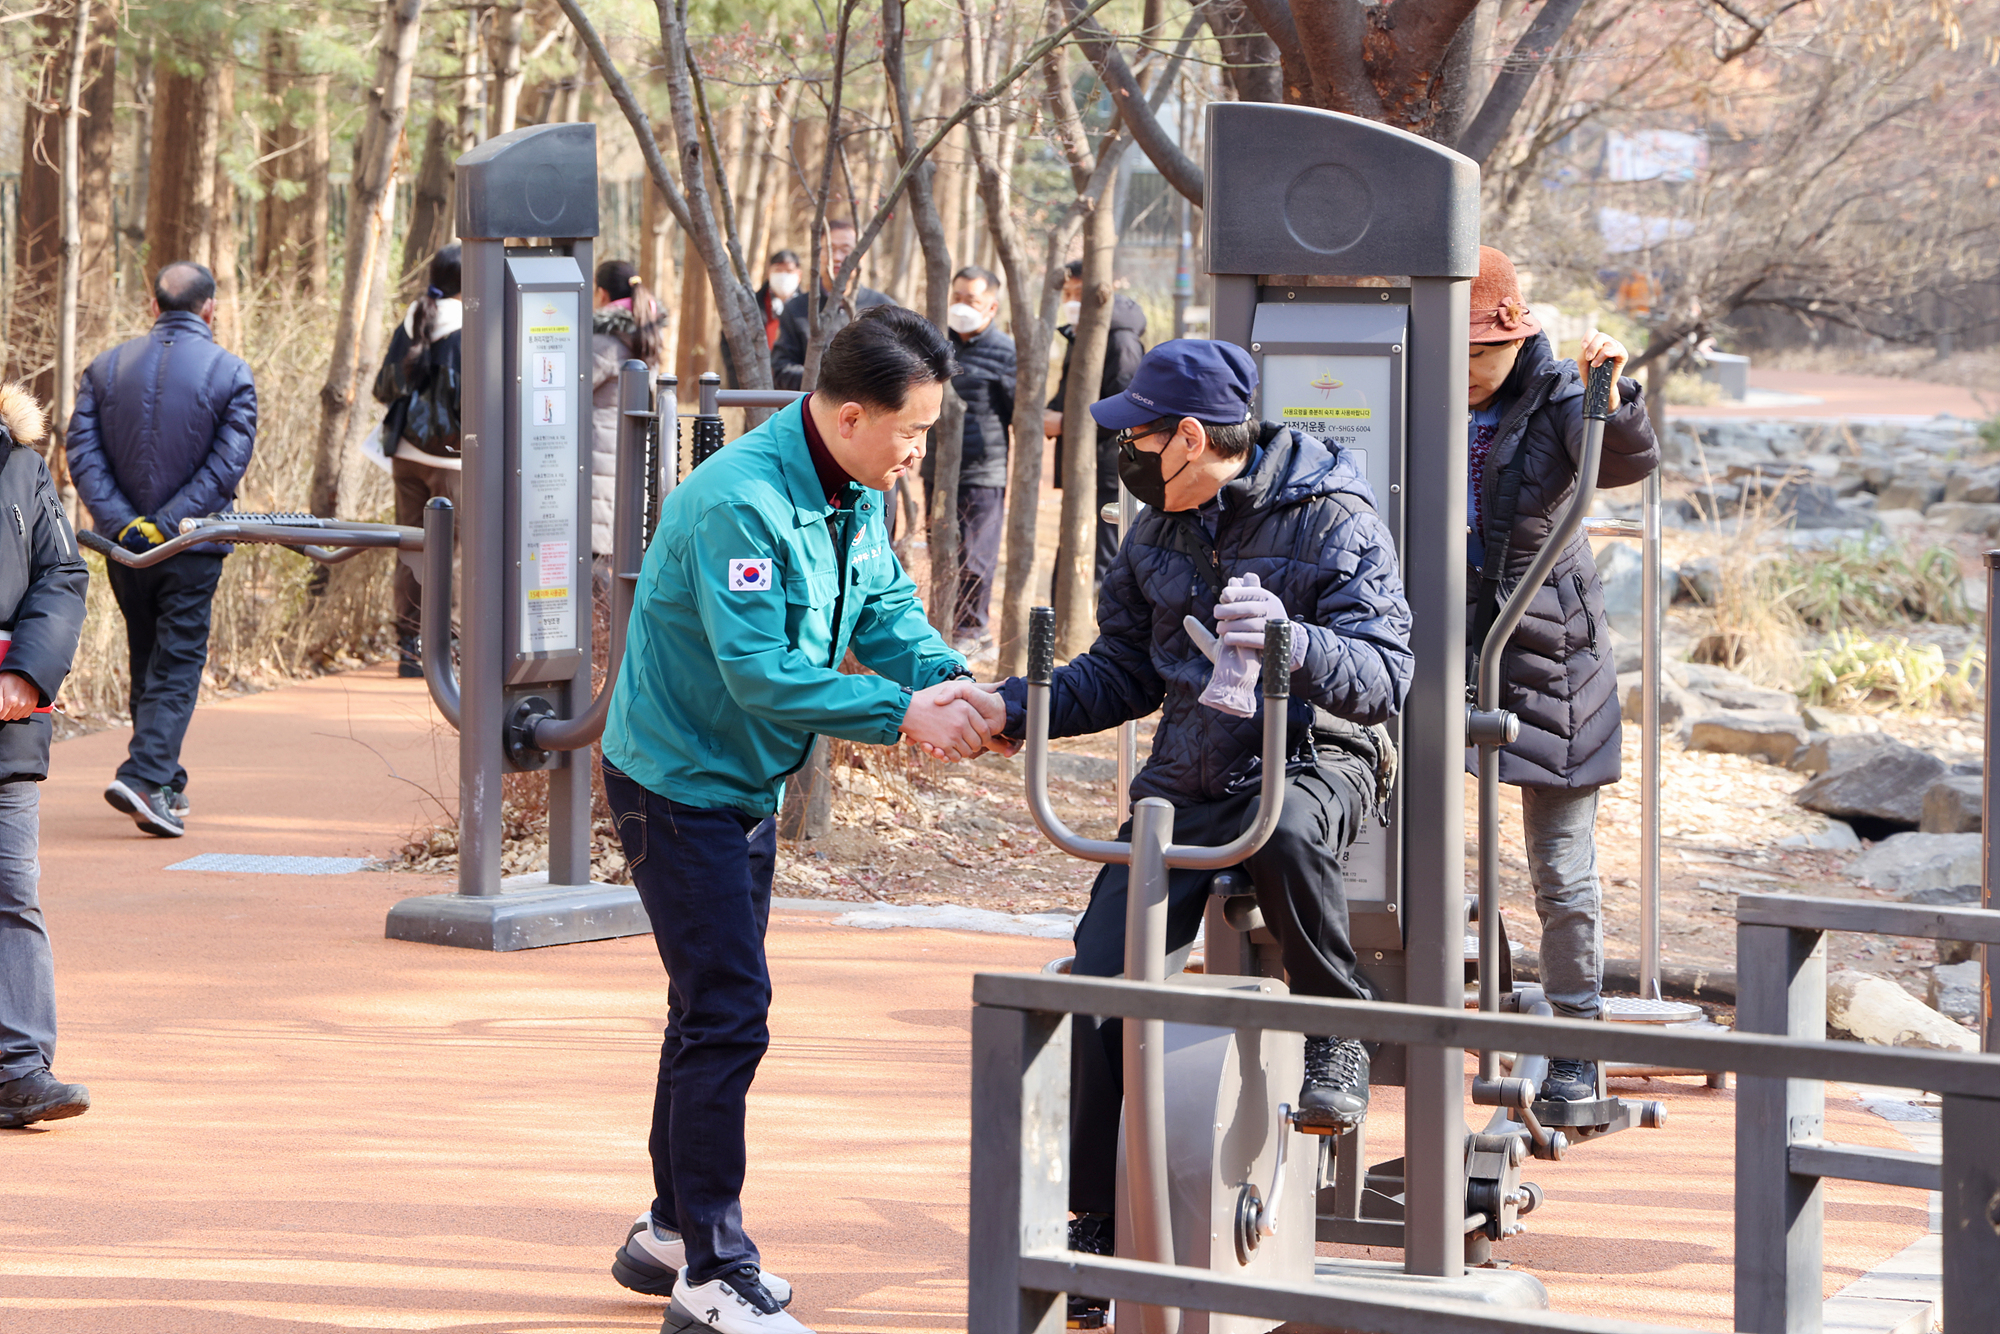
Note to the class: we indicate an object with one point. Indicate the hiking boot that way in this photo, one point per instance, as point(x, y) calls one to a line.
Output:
point(652, 1258)
point(1335, 1092)
point(148, 806)
point(1091, 1234)
point(40, 1096)
point(1569, 1081)
point(736, 1301)
point(409, 657)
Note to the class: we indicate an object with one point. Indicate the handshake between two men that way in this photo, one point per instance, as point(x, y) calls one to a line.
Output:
point(958, 720)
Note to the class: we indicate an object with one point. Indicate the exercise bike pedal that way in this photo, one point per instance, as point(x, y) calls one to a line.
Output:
point(1082, 1315)
point(1600, 1116)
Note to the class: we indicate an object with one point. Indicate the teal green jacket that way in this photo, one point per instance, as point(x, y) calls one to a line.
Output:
point(751, 595)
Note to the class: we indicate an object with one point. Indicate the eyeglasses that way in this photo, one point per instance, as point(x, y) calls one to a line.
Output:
point(1128, 439)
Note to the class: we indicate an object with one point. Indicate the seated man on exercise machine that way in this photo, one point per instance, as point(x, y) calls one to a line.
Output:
point(1226, 497)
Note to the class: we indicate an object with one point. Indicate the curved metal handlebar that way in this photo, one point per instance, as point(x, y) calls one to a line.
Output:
point(435, 612)
point(329, 544)
point(1277, 688)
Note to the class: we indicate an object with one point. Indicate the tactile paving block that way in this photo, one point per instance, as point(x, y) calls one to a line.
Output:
point(241, 863)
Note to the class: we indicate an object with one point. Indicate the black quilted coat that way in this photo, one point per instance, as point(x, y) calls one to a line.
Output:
point(1303, 520)
point(1558, 675)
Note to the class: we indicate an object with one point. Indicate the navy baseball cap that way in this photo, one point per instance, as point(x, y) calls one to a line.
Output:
point(1203, 378)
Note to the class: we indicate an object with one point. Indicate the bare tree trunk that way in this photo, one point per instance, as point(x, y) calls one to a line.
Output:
point(180, 204)
point(472, 92)
point(221, 256)
point(72, 221)
point(142, 162)
point(1076, 542)
point(431, 219)
point(276, 149)
point(509, 25)
point(368, 202)
point(656, 267)
point(317, 214)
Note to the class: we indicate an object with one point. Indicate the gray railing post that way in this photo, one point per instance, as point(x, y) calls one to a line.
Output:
point(1971, 1181)
point(1020, 1165)
point(1990, 804)
point(1781, 989)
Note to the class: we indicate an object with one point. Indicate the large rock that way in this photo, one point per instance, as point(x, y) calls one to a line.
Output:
point(1837, 750)
point(1888, 784)
point(1676, 704)
point(1835, 723)
point(1955, 804)
point(1955, 991)
point(1910, 491)
point(1838, 836)
point(1882, 1014)
point(1771, 734)
point(1621, 569)
point(1981, 486)
point(1915, 863)
point(1963, 516)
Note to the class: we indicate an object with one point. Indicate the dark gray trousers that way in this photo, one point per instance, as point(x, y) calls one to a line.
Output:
point(27, 968)
point(166, 609)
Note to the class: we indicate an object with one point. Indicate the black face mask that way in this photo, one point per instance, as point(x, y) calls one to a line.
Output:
point(1142, 473)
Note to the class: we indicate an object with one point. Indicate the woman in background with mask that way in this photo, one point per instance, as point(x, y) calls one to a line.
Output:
point(1121, 360)
point(627, 322)
point(781, 282)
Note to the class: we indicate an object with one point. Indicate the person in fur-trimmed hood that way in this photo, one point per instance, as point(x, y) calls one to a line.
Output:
point(41, 617)
point(1557, 673)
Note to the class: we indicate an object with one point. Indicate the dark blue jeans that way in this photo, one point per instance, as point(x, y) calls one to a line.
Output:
point(705, 878)
point(166, 610)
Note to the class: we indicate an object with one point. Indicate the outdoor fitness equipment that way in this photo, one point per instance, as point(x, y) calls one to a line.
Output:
point(518, 688)
point(1208, 1175)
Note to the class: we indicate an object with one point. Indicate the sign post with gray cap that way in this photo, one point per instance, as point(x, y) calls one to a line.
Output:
point(521, 693)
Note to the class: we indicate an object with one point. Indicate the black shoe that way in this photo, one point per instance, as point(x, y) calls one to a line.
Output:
point(149, 808)
point(409, 657)
point(1569, 1081)
point(40, 1097)
point(1335, 1092)
point(177, 802)
point(1091, 1234)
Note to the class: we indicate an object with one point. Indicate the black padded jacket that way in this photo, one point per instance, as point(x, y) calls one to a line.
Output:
point(1558, 674)
point(42, 582)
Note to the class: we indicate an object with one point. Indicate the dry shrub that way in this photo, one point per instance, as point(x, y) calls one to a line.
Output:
point(270, 621)
point(1749, 628)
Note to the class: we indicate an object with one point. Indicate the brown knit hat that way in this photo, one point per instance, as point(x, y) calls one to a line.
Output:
point(1499, 315)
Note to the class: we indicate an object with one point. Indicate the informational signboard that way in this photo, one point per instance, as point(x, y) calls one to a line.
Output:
point(1345, 401)
point(550, 595)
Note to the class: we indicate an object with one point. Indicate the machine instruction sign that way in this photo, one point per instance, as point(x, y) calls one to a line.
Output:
point(1343, 400)
point(549, 462)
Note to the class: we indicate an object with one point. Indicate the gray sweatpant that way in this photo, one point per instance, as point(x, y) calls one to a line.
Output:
point(27, 968)
point(1560, 827)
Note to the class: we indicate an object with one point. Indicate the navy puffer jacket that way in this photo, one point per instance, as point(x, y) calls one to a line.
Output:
point(1303, 521)
point(164, 428)
point(987, 386)
point(1558, 675)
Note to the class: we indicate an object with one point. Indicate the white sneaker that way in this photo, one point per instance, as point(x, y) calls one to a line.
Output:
point(652, 1258)
point(738, 1302)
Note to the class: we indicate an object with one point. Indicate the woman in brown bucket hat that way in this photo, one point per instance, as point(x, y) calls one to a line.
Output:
point(1558, 677)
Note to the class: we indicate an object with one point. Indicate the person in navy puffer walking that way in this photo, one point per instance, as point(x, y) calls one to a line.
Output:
point(163, 431)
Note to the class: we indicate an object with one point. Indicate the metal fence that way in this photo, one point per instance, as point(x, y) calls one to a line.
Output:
point(1020, 1267)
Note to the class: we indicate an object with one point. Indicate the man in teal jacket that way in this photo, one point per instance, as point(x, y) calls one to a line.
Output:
point(771, 563)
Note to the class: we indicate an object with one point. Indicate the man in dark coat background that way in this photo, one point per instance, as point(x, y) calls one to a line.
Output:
point(1228, 497)
point(788, 354)
point(163, 431)
point(1122, 351)
point(986, 384)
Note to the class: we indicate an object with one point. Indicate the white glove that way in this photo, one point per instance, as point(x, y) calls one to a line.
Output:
point(1246, 608)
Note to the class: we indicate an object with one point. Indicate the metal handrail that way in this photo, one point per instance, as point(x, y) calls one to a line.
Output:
point(434, 612)
point(329, 543)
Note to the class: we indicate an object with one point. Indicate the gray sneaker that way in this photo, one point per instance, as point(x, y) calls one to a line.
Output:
point(151, 808)
point(40, 1096)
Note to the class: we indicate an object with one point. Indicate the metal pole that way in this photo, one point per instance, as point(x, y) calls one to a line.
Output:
point(1433, 786)
point(1650, 612)
point(1128, 732)
point(483, 554)
point(1990, 805)
point(1145, 1057)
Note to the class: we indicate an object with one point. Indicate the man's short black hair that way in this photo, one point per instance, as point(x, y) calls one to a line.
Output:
point(184, 285)
point(840, 225)
point(875, 360)
point(1074, 269)
point(973, 273)
point(790, 257)
point(1230, 440)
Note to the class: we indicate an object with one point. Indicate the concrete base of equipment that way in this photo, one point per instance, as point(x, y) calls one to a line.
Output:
point(1501, 1289)
point(527, 914)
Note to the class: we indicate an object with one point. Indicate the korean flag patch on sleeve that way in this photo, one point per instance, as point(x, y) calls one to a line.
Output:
point(750, 576)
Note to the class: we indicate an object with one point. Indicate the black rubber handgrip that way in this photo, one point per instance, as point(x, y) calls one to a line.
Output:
point(1597, 393)
point(1277, 660)
point(1042, 645)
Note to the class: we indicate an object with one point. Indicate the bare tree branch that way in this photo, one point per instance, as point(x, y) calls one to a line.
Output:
point(1517, 75)
point(1139, 117)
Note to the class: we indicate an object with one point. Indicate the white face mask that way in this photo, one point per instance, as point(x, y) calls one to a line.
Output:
point(1069, 312)
point(784, 284)
point(964, 319)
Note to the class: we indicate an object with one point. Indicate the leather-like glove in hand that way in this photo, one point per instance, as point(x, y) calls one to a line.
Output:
point(1246, 607)
point(142, 534)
